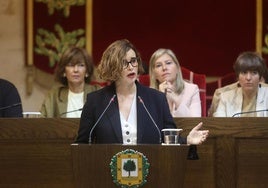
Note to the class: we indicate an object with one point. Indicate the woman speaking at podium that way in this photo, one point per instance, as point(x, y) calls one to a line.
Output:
point(125, 111)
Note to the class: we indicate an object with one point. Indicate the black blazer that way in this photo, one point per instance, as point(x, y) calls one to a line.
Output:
point(10, 101)
point(108, 130)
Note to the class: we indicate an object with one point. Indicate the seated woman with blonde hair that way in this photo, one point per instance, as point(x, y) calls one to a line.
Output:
point(165, 75)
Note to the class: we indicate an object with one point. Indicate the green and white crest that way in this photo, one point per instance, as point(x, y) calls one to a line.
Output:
point(129, 169)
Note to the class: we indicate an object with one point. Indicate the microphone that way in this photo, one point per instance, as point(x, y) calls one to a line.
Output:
point(159, 133)
point(80, 109)
point(91, 131)
point(10, 106)
point(249, 112)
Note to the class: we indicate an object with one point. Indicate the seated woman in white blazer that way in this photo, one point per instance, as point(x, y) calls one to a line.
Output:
point(250, 95)
point(165, 75)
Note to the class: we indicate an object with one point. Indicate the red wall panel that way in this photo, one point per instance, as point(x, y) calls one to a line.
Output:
point(206, 35)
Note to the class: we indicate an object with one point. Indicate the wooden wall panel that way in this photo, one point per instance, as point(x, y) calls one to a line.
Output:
point(36, 153)
point(238, 149)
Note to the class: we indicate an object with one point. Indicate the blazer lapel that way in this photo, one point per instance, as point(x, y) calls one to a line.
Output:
point(114, 117)
point(260, 102)
point(141, 113)
point(63, 97)
point(237, 101)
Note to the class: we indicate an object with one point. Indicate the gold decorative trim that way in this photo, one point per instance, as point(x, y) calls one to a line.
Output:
point(89, 25)
point(30, 8)
point(34, 74)
point(259, 26)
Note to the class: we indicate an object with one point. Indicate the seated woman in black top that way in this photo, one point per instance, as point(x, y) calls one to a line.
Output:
point(10, 102)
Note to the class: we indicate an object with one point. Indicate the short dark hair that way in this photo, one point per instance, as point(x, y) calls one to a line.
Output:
point(249, 61)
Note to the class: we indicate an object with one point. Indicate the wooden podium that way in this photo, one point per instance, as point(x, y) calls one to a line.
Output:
point(37, 152)
point(91, 164)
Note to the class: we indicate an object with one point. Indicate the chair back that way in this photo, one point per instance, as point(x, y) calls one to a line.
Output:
point(200, 80)
point(220, 82)
point(144, 79)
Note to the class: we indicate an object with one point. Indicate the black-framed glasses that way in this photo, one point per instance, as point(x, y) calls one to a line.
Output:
point(134, 61)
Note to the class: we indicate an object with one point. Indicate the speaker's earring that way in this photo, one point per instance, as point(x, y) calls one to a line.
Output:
point(64, 74)
point(86, 75)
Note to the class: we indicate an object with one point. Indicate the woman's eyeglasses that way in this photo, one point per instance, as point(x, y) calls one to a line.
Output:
point(133, 61)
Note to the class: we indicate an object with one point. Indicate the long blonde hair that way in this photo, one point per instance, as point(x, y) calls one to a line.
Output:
point(154, 83)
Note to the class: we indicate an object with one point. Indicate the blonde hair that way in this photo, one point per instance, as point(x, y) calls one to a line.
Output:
point(154, 83)
point(111, 64)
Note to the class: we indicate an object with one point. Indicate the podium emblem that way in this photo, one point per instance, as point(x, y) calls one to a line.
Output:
point(129, 169)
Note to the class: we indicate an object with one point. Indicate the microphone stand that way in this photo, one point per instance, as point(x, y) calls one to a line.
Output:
point(80, 109)
point(10, 106)
point(91, 131)
point(249, 112)
point(160, 138)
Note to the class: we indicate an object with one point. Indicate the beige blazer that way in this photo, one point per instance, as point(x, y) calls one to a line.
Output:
point(216, 97)
point(230, 102)
point(56, 101)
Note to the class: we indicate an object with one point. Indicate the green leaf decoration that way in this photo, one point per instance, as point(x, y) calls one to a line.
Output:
point(61, 5)
point(53, 44)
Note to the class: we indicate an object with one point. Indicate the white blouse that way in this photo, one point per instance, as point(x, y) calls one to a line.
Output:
point(75, 102)
point(129, 126)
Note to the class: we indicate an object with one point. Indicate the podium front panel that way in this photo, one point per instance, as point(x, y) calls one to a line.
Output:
point(91, 164)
